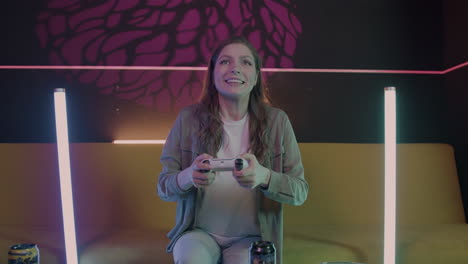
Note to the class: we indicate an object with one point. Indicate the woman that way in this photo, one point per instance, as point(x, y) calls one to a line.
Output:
point(220, 214)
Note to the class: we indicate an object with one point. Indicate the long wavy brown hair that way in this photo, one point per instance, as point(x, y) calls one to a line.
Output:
point(208, 112)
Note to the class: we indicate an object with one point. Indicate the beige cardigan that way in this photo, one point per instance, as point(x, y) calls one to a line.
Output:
point(287, 183)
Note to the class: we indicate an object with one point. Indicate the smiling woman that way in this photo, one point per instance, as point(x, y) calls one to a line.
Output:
point(220, 214)
point(235, 74)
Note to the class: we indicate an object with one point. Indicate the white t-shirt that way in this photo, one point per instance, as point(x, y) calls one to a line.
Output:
point(228, 211)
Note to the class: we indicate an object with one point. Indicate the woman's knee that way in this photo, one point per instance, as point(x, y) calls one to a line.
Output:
point(196, 247)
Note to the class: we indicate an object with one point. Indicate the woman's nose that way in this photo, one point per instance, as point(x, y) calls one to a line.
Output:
point(235, 69)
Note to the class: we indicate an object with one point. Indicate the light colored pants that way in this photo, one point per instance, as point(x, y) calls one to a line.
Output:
point(198, 247)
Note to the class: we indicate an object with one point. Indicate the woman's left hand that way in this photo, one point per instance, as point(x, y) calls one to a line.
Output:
point(254, 175)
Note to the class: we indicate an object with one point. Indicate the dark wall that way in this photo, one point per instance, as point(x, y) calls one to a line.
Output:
point(455, 37)
point(456, 85)
point(382, 34)
point(349, 107)
point(371, 34)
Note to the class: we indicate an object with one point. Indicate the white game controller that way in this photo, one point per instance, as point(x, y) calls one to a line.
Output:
point(227, 164)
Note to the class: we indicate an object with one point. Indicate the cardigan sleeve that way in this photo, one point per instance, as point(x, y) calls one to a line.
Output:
point(172, 164)
point(287, 185)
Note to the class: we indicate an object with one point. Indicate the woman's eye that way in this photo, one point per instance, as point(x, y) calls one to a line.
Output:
point(224, 62)
point(247, 62)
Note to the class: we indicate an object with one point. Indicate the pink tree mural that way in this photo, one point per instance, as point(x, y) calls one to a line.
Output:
point(160, 33)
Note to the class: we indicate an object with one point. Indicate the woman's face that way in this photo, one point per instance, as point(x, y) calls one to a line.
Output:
point(234, 73)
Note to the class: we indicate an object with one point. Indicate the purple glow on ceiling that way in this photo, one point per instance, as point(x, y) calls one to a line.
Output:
point(160, 33)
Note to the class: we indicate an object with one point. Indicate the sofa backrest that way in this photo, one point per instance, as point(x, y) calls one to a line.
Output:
point(347, 185)
point(29, 186)
point(428, 185)
point(115, 186)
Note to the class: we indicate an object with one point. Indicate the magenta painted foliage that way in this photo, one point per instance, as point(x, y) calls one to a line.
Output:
point(160, 33)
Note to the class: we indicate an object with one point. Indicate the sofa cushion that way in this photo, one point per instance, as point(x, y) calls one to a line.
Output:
point(50, 242)
point(128, 246)
point(352, 243)
point(437, 244)
point(306, 250)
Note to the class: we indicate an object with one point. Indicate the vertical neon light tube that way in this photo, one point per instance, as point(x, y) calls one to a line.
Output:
point(66, 193)
point(390, 176)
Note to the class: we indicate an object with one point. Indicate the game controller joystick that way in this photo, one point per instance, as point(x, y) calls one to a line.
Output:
point(227, 164)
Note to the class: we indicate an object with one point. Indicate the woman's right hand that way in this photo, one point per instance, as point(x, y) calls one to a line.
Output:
point(202, 175)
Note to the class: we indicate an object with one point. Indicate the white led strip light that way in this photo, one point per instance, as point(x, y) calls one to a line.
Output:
point(66, 193)
point(390, 176)
point(136, 141)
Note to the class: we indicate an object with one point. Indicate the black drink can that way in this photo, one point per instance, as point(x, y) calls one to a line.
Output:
point(23, 254)
point(262, 252)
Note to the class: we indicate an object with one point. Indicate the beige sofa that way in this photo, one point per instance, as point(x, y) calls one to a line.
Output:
point(120, 219)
